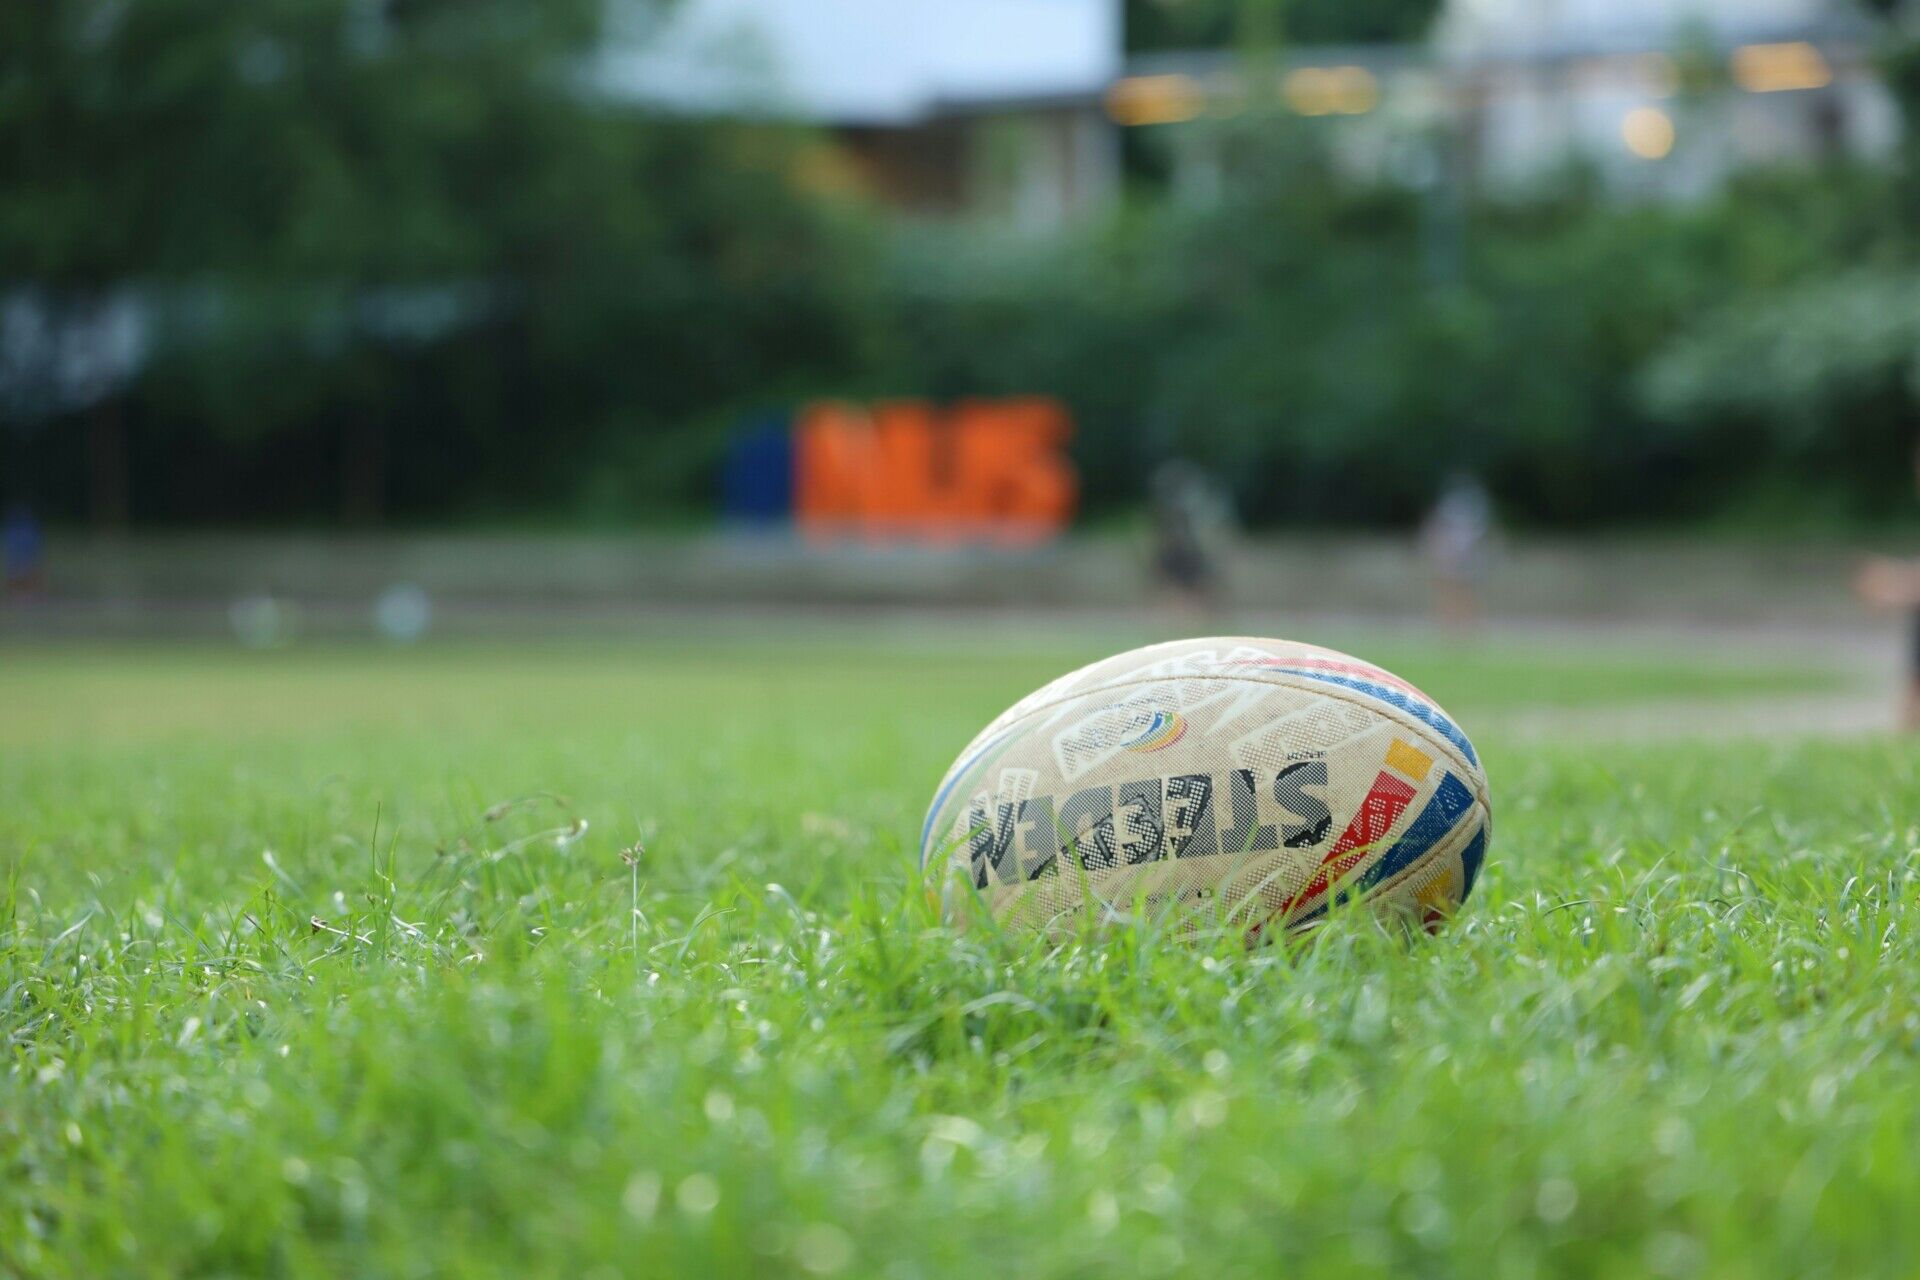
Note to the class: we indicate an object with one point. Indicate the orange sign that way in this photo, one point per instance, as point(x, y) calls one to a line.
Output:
point(993, 470)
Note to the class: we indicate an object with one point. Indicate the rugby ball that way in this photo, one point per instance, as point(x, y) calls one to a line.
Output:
point(1262, 782)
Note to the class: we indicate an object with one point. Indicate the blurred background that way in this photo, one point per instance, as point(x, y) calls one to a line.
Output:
point(403, 317)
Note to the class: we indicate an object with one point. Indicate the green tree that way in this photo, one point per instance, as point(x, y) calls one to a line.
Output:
point(402, 239)
point(1204, 24)
point(168, 144)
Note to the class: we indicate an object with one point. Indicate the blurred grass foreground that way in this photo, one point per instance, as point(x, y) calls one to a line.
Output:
point(505, 962)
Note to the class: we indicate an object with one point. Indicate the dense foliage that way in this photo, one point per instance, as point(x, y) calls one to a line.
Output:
point(398, 265)
point(1335, 349)
point(395, 258)
point(1200, 24)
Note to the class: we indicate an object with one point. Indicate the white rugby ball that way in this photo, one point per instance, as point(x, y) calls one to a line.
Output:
point(1262, 781)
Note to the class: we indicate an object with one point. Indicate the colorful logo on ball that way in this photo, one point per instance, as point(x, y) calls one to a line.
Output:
point(1394, 788)
point(1160, 729)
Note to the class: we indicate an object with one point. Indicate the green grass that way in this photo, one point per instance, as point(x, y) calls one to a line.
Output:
point(290, 984)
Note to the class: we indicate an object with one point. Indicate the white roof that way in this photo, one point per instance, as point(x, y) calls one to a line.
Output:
point(1519, 27)
point(862, 61)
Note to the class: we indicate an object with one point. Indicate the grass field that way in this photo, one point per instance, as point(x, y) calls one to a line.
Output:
point(329, 962)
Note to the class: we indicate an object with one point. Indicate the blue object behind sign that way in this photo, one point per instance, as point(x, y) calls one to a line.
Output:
point(756, 480)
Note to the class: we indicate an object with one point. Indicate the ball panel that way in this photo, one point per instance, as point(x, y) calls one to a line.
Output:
point(1230, 657)
point(1253, 894)
point(1261, 780)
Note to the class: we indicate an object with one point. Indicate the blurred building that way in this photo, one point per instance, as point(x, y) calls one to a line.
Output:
point(936, 106)
point(1667, 96)
point(1655, 97)
point(1011, 109)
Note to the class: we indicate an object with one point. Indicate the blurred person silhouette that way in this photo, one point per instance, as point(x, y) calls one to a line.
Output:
point(1884, 582)
point(1456, 539)
point(23, 550)
point(1191, 523)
